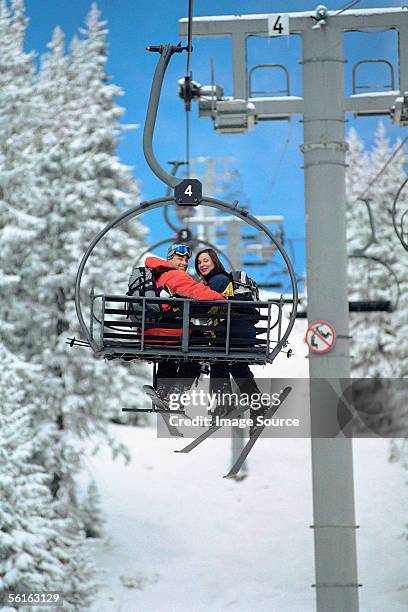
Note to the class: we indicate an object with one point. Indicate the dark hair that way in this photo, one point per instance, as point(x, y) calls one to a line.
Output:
point(214, 258)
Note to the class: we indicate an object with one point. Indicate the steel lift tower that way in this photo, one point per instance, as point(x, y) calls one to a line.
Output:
point(322, 107)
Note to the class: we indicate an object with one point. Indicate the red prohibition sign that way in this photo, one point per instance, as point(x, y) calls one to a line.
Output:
point(320, 337)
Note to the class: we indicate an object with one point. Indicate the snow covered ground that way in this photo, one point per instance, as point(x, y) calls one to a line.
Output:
point(179, 537)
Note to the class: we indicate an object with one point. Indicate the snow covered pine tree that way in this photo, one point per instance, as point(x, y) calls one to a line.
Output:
point(380, 339)
point(61, 182)
point(40, 550)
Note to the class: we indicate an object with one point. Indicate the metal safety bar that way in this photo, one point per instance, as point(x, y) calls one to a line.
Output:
point(390, 86)
point(130, 337)
point(271, 91)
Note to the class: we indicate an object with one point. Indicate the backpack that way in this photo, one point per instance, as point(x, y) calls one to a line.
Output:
point(141, 284)
point(244, 287)
point(240, 287)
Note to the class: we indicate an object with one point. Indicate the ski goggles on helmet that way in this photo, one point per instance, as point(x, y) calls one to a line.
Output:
point(179, 249)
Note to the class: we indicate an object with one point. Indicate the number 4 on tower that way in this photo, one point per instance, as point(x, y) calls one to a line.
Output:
point(278, 25)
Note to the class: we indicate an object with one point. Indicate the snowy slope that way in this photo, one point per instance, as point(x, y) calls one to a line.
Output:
point(297, 365)
point(179, 537)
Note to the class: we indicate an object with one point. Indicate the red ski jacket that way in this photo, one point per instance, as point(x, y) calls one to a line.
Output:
point(177, 283)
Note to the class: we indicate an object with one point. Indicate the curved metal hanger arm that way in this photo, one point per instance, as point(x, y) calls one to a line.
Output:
point(385, 265)
point(176, 165)
point(400, 233)
point(166, 51)
point(372, 239)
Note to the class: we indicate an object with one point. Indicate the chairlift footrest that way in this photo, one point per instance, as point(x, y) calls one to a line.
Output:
point(154, 410)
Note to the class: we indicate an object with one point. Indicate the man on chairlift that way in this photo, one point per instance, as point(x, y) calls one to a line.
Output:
point(172, 280)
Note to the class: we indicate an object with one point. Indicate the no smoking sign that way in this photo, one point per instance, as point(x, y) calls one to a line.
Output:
point(320, 337)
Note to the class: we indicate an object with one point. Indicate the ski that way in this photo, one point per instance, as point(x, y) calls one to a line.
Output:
point(154, 410)
point(231, 415)
point(255, 435)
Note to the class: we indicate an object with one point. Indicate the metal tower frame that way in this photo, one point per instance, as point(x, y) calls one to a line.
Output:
point(323, 108)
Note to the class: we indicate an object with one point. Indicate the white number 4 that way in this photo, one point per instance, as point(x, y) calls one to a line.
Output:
point(189, 191)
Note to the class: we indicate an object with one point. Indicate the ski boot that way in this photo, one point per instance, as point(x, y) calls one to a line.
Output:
point(158, 396)
point(161, 395)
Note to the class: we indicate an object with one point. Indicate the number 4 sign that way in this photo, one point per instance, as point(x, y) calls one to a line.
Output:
point(188, 192)
point(278, 25)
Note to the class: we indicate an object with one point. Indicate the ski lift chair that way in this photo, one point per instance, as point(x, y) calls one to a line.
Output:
point(113, 336)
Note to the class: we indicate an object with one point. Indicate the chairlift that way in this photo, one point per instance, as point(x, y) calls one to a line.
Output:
point(374, 305)
point(379, 304)
point(112, 336)
point(370, 304)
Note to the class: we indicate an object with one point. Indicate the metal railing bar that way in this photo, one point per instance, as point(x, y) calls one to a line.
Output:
point(142, 339)
point(102, 323)
point(227, 338)
point(355, 86)
point(186, 326)
point(268, 333)
point(280, 320)
point(91, 322)
point(166, 300)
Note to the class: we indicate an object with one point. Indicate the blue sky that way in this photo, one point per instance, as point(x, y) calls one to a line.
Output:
point(133, 24)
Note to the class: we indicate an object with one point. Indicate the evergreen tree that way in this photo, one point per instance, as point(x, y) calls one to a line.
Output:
point(92, 518)
point(380, 343)
point(39, 550)
point(17, 226)
point(75, 181)
point(60, 183)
